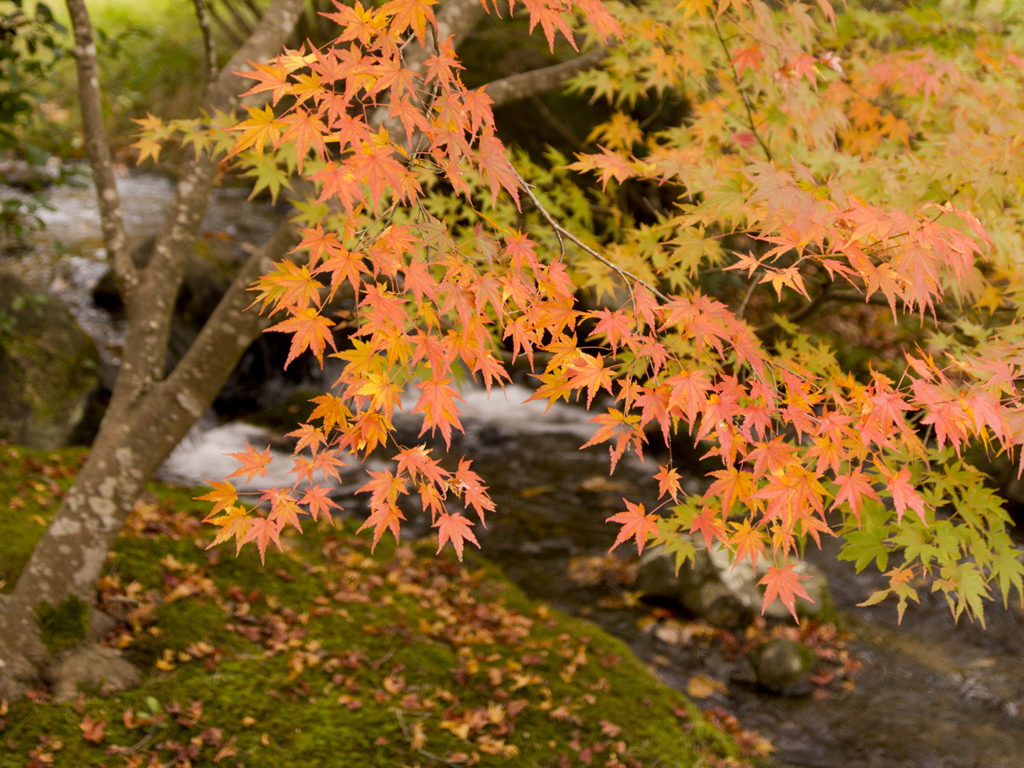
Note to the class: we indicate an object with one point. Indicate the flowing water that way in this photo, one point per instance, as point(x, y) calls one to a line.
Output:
point(931, 694)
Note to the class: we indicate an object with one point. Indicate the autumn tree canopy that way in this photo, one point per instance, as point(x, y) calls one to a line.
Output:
point(771, 178)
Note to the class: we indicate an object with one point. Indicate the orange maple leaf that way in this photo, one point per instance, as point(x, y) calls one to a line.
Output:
point(454, 528)
point(437, 404)
point(635, 523)
point(310, 331)
point(253, 463)
point(223, 496)
point(783, 583)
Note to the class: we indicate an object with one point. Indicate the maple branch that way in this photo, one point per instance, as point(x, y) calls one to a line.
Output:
point(743, 93)
point(526, 84)
point(563, 232)
point(203, 17)
point(115, 240)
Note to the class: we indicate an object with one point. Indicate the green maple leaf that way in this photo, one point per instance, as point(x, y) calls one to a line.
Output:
point(270, 176)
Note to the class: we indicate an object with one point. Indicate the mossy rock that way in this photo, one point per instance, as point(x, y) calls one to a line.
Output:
point(784, 666)
point(48, 367)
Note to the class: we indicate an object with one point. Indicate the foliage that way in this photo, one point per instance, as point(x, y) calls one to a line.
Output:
point(30, 43)
point(821, 160)
point(326, 656)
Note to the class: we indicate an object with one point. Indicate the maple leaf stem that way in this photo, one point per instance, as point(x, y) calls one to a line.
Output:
point(562, 231)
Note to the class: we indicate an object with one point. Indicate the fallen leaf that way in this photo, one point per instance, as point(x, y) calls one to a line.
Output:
point(702, 686)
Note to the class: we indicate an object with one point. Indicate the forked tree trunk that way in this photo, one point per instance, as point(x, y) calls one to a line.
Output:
point(149, 413)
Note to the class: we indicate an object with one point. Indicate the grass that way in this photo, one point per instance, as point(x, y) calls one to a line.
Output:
point(325, 655)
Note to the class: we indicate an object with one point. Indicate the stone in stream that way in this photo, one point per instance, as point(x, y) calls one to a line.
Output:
point(722, 595)
point(784, 666)
point(48, 367)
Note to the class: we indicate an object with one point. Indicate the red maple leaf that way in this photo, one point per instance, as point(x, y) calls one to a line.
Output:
point(383, 517)
point(264, 530)
point(317, 501)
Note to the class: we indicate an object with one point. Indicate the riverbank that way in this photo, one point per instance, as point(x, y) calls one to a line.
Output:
point(328, 656)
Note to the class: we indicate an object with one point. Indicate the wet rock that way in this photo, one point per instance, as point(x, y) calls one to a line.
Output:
point(784, 666)
point(48, 367)
point(712, 589)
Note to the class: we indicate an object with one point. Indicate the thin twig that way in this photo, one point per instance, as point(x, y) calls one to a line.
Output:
point(743, 93)
point(203, 17)
point(746, 297)
point(563, 232)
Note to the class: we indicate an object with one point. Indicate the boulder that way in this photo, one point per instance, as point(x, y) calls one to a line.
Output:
point(711, 588)
point(784, 666)
point(48, 367)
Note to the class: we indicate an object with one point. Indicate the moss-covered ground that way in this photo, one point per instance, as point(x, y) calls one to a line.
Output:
point(328, 656)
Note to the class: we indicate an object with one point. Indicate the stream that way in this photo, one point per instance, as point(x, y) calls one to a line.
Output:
point(931, 693)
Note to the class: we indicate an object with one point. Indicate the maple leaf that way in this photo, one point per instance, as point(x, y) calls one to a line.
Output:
point(852, 488)
point(437, 404)
point(668, 482)
point(317, 501)
point(235, 524)
point(310, 330)
point(410, 13)
point(590, 372)
point(93, 730)
point(783, 583)
point(269, 78)
point(253, 463)
point(748, 542)
point(263, 530)
point(261, 126)
point(707, 523)
point(454, 528)
point(635, 523)
point(223, 496)
point(474, 492)
point(904, 494)
point(383, 517)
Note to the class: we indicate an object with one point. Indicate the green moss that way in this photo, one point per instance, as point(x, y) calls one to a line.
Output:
point(327, 656)
point(64, 625)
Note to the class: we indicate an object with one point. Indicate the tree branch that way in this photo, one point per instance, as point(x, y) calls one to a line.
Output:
point(526, 84)
point(98, 148)
point(563, 232)
point(203, 17)
point(197, 378)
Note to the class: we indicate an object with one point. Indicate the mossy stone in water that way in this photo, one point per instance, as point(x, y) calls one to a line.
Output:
point(784, 666)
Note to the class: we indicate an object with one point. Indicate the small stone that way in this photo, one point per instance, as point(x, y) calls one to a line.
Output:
point(784, 666)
